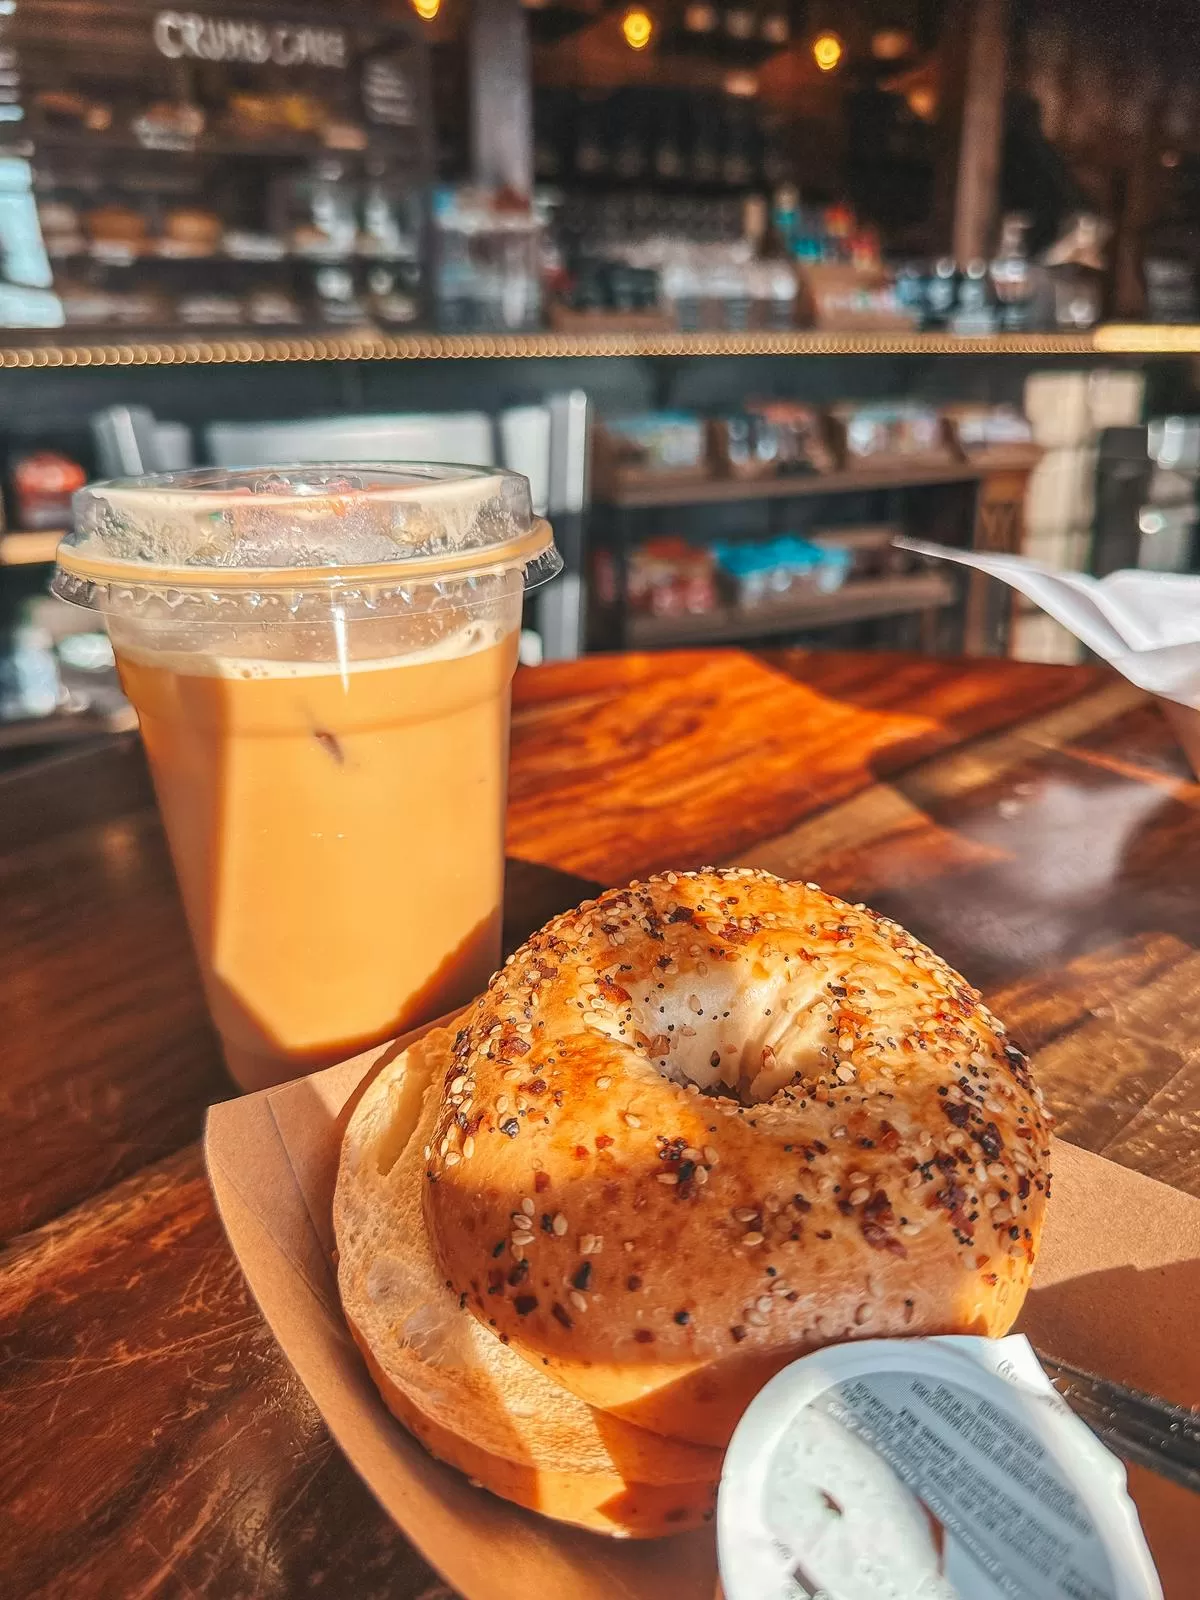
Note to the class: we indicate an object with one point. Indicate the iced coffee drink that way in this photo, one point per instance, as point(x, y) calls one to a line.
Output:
point(321, 662)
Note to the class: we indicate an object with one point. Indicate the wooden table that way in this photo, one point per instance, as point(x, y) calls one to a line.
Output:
point(1037, 825)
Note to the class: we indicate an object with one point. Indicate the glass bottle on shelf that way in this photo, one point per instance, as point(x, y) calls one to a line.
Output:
point(974, 314)
point(941, 293)
point(1012, 282)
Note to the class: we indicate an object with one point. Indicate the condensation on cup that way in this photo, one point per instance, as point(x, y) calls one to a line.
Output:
point(321, 662)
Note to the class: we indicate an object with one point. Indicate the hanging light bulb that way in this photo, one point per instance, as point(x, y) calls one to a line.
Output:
point(638, 27)
point(828, 51)
point(427, 9)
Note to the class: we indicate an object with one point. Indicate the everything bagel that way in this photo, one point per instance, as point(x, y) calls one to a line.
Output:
point(713, 1120)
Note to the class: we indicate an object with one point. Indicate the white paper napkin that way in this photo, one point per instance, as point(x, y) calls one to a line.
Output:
point(1145, 624)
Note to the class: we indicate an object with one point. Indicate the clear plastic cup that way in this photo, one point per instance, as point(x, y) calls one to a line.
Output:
point(321, 661)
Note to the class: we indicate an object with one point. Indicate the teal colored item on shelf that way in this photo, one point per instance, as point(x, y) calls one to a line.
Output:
point(777, 564)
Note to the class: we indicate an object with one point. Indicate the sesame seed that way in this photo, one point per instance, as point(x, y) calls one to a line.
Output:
point(527, 1206)
point(859, 1195)
point(858, 1177)
point(579, 1301)
point(710, 1155)
point(701, 1175)
point(751, 1239)
point(744, 1214)
point(502, 1104)
point(632, 1121)
point(763, 1303)
point(913, 1181)
point(668, 1177)
point(756, 1319)
point(428, 1151)
point(910, 1229)
point(453, 1158)
point(468, 1149)
point(512, 1075)
point(458, 1084)
point(845, 1073)
point(694, 1003)
point(590, 1244)
point(991, 1200)
point(603, 1083)
point(444, 1146)
point(518, 1246)
point(559, 1224)
point(1001, 1214)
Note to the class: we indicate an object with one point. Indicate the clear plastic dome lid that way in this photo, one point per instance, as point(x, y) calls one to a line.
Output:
point(301, 527)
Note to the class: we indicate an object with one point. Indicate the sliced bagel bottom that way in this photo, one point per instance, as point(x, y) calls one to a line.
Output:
point(472, 1401)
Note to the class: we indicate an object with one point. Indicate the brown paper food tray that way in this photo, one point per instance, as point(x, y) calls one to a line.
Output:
point(1117, 1291)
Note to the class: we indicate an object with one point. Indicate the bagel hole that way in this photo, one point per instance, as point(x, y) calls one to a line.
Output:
point(739, 1074)
point(751, 1050)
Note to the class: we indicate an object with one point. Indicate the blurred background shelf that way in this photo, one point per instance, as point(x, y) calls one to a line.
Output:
point(720, 491)
point(861, 601)
point(176, 349)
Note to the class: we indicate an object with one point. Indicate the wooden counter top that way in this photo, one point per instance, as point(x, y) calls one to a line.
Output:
point(1037, 825)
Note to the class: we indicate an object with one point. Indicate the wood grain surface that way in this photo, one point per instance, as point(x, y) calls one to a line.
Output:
point(1037, 825)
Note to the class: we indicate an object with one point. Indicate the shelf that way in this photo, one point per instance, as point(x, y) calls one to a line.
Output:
point(859, 601)
point(1128, 339)
point(720, 491)
point(19, 549)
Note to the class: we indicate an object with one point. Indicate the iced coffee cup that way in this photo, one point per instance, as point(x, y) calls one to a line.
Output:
point(321, 661)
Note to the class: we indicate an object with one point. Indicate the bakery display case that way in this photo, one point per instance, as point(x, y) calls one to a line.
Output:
point(264, 167)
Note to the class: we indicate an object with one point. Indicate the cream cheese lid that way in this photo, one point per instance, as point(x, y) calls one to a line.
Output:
point(924, 1469)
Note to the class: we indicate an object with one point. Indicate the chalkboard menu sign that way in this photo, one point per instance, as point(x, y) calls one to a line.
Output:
point(211, 166)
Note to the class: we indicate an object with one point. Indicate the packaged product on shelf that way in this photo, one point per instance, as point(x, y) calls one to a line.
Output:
point(210, 310)
point(870, 548)
point(756, 573)
point(270, 307)
point(885, 431)
point(654, 444)
point(664, 577)
point(190, 231)
point(769, 437)
point(801, 434)
point(168, 125)
point(983, 430)
point(42, 485)
point(116, 225)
